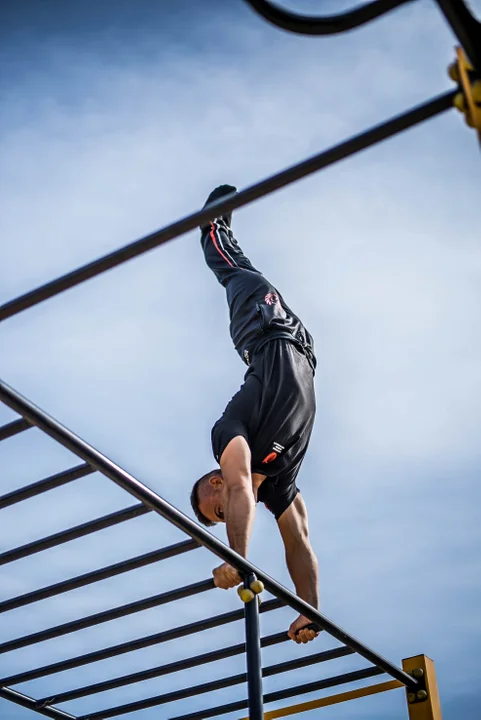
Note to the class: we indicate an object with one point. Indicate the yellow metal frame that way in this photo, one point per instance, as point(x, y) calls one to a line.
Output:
point(332, 700)
point(422, 705)
point(428, 708)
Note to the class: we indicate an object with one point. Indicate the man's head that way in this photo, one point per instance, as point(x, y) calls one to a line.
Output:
point(206, 498)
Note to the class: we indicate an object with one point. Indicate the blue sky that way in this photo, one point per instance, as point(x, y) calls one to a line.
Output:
point(117, 118)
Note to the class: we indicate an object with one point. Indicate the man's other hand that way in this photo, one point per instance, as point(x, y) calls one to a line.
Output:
point(225, 577)
point(299, 632)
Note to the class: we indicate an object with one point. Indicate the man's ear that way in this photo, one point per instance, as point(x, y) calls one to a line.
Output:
point(216, 481)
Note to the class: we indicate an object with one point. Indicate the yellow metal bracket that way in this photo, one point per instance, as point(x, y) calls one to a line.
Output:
point(468, 99)
point(424, 703)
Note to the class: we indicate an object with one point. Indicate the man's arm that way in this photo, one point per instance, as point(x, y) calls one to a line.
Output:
point(239, 506)
point(301, 562)
point(239, 501)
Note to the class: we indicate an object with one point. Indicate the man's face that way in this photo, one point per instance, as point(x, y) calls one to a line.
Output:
point(211, 499)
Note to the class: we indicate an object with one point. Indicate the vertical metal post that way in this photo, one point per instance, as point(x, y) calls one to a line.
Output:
point(423, 704)
point(253, 654)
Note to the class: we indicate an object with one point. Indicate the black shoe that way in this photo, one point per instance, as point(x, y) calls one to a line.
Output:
point(221, 191)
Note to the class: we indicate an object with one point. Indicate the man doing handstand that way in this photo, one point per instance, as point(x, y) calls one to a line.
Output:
point(262, 437)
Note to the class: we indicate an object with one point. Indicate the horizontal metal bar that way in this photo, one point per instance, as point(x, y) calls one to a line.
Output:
point(223, 206)
point(107, 615)
point(79, 531)
point(327, 25)
point(332, 700)
point(30, 704)
point(14, 428)
point(216, 685)
point(148, 641)
point(281, 694)
point(79, 447)
point(42, 486)
point(161, 670)
point(96, 576)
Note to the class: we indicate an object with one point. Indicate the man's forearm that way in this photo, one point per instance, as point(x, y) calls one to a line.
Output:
point(304, 571)
point(239, 512)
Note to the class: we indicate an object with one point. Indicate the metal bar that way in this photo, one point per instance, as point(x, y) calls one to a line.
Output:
point(140, 643)
point(317, 162)
point(162, 670)
point(79, 447)
point(13, 428)
point(42, 486)
point(98, 618)
point(331, 700)
point(465, 26)
point(218, 685)
point(30, 704)
point(277, 695)
point(253, 654)
point(79, 531)
point(97, 576)
point(327, 25)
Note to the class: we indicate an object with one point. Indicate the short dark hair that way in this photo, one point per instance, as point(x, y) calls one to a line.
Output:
point(194, 498)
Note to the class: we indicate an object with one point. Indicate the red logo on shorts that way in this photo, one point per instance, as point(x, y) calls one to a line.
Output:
point(270, 458)
point(271, 298)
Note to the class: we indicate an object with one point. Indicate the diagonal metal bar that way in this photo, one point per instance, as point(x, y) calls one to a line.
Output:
point(272, 696)
point(85, 451)
point(79, 531)
point(162, 670)
point(219, 684)
point(313, 164)
point(31, 704)
point(330, 25)
point(132, 645)
point(236, 680)
point(42, 486)
point(14, 428)
point(96, 576)
point(465, 26)
point(106, 616)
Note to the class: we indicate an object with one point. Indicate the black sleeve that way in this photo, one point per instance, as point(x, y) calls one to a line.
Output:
point(278, 493)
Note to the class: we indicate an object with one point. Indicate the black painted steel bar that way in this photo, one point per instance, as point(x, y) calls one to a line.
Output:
point(281, 179)
point(37, 488)
point(107, 615)
point(276, 695)
point(465, 26)
point(318, 25)
point(138, 644)
point(214, 685)
point(14, 428)
point(79, 531)
point(97, 576)
point(30, 704)
point(79, 447)
point(162, 670)
point(253, 655)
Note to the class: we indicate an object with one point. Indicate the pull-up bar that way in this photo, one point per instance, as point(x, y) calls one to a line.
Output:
point(465, 26)
point(152, 501)
point(330, 25)
point(371, 137)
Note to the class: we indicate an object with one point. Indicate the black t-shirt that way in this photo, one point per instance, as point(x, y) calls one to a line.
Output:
point(274, 411)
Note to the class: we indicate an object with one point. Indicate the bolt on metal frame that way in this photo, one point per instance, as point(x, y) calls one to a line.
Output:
point(417, 677)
